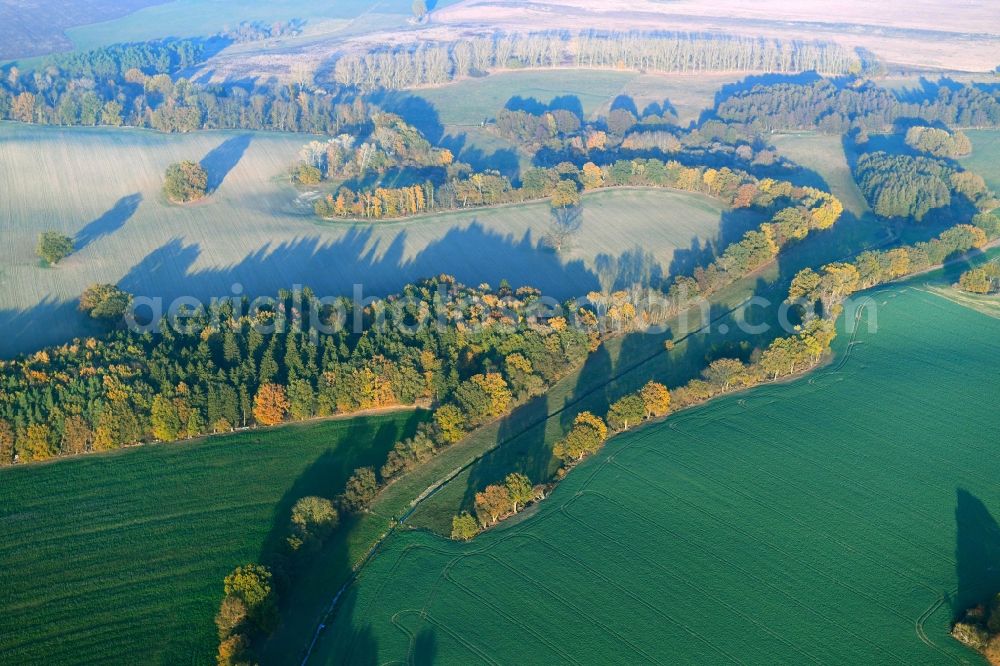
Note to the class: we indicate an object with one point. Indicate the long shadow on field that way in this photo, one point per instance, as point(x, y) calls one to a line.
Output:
point(473, 254)
point(521, 448)
point(223, 158)
point(346, 643)
point(424, 649)
point(380, 265)
point(109, 222)
point(732, 226)
point(977, 552)
point(49, 322)
point(308, 580)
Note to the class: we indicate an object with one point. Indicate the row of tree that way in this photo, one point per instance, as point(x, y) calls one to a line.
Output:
point(825, 106)
point(430, 64)
point(250, 593)
point(834, 282)
point(138, 85)
point(563, 183)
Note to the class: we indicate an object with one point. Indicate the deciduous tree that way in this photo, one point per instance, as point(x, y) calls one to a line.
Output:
point(519, 489)
point(270, 405)
point(53, 246)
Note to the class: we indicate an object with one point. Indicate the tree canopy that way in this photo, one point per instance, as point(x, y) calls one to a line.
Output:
point(53, 247)
point(185, 181)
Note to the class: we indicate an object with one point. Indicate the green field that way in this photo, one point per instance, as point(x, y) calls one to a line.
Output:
point(983, 160)
point(841, 518)
point(470, 101)
point(119, 558)
point(822, 158)
point(102, 186)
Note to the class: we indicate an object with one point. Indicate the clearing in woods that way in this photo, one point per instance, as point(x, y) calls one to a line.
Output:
point(103, 187)
point(815, 536)
point(107, 556)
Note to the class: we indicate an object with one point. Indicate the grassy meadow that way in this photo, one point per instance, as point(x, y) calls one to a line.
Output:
point(119, 558)
point(470, 101)
point(983, 160)
point(102, 187)
point(843, 517)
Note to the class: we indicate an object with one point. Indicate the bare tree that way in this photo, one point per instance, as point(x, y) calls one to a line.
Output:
point(564, 225)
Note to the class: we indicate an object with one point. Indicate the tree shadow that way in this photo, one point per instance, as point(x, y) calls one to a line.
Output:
point(661, 109)
point(733, 224)
point(624, 103)
point(109, 222)
point(414, 109)
point(223, 158)
point(504, 160)
point(520, 447)
point(536, 107)
point(977, 552)
point(424, 649)
point(381, 266)
point(308, 580)
point(356, 646)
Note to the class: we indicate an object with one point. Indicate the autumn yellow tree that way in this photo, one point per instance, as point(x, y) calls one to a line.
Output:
point(450, 422)
point(593, 177)
point(493, 503)
point(270, 405)
point(464, 527)
point(656, 399)
point(587, 436)
point(519, 489)
point(38, 443)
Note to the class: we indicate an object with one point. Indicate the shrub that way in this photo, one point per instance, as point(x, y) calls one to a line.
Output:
point(53, 247)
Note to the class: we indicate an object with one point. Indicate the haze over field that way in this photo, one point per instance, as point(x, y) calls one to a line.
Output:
point(499, 331)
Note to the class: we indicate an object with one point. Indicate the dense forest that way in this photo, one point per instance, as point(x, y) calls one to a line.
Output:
point(825, 106)
point(229, 367)
point(909, 187)
point(409, 66)
point(139, 85)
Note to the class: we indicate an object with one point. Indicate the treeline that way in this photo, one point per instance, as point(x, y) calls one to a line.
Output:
point(586, 437)
point(228, 369)
point(135, 85)
point(563, 183)
point(249, 608)
point(255, 31)
point(905, 186)
point(783, 357)
point(408, 66)
point(836, 281)
point(826, 107)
